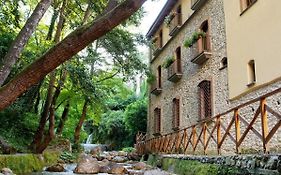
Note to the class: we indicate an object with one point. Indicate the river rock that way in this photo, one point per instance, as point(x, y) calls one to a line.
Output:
point(117, 169)
point(87, 168)
point(119, 159)
point(134, 172)
point(56, 168)
point(105, 169)
point(122, 153)
point(7, 171)
point(96, 151)
point(133, 156)
point(139, 166)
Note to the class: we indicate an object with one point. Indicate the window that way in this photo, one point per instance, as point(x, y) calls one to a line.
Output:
point(159, 77)
point(176, 113)
point(178, 59)
point(251, 73)
point(245, 4)
point(179, 20)
point(205, 100)
point(160, 39)
point(205, 40)
point(157, 121)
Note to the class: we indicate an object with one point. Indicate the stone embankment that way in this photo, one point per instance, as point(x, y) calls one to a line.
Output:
point(236, 164)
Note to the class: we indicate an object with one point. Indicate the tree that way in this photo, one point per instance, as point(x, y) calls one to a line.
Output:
point(64, 50)
point(22, 38)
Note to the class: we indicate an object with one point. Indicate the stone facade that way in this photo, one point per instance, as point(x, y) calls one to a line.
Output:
point(186, 89)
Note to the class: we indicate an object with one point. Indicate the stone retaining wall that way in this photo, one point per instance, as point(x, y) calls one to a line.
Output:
point(238, 164)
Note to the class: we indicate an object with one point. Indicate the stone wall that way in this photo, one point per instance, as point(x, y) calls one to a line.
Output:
point(195, 165)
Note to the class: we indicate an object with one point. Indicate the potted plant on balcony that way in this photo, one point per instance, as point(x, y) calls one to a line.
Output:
point(168, 61)
point(169, 18)
point(194, 38)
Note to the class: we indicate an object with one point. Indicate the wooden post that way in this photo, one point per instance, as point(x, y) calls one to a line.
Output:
point(237, 130)
point(205, 137)
point(184, 140)
point(264, 124)
point(218, 134)
point(194, 139)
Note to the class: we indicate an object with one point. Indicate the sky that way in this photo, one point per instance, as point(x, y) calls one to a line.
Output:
point(152, 9)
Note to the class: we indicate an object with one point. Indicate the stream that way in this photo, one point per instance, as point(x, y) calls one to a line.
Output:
point(111, 159)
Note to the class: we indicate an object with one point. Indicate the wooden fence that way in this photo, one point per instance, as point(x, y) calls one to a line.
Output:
point(254, 120)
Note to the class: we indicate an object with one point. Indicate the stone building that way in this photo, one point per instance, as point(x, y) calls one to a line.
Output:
point(208, 56)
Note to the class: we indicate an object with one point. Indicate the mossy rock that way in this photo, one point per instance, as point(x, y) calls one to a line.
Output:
point(27, 163)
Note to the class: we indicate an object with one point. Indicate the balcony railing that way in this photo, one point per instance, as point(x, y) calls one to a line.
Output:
point(156, 47)
point(175, 24)
point(175, 71)
point(201, 50)
point(254, 125)
point(196, 4)
point(156, 88)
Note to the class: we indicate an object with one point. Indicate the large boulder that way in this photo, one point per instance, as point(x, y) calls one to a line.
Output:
point(56, 168)
point(87, 168)
point(117, 169)
point(87, 165)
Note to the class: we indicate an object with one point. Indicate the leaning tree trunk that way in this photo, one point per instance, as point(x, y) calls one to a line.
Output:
point(63, 51)
point(50, 136)
point(44, 116)
point(40, 141)
point(63, 119)
point(17, 46)
point(80, 123)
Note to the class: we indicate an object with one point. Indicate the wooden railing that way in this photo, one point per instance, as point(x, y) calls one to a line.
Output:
point(249, 126)
point(175, 23)
point(174, 69)
point(201, 50)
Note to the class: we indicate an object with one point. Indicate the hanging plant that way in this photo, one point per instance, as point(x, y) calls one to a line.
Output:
point(168, 61)
point(194, 38)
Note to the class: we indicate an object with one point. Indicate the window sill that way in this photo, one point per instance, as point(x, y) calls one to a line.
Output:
point(246, 9)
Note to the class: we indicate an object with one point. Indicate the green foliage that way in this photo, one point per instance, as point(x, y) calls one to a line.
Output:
point(128, 149)
point(150, 77)
point(135, 116)
point(168, 61)
point(68, 157)
point(193, 39)
point(6, 40)
point(119, 125)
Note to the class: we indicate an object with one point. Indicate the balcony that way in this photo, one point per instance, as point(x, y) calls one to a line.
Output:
point(201, 50)
point(175, 24)
point(175, 71)
point(196, 4)
point(156, 47)
point(156, 88)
